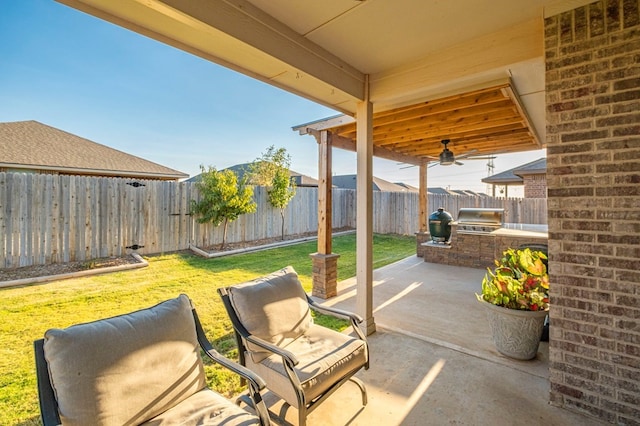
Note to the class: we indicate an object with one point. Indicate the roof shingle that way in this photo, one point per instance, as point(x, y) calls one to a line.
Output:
point(33, 145)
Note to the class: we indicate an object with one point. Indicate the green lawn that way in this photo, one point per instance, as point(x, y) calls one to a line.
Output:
point(26, 312)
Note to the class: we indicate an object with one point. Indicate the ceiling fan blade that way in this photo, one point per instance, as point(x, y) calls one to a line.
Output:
point(481, 158)
point(457, 163)
point(466, 154)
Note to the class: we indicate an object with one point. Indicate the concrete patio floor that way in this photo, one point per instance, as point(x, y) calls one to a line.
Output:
point(433, 361)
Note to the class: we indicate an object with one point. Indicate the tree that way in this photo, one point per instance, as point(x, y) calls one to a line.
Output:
point(272, 170)
point(222, 198)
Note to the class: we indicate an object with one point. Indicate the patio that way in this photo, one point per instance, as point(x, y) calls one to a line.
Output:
point(433, 361)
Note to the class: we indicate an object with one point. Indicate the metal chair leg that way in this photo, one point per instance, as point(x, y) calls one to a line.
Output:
point(362, 389)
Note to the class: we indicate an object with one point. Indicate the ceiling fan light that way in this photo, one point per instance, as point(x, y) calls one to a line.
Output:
point(447, 158)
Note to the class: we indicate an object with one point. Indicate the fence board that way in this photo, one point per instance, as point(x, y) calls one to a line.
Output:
point(52, 234)
point(13, 240)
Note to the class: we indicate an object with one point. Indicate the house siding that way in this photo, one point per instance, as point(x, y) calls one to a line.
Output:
point(593, 174)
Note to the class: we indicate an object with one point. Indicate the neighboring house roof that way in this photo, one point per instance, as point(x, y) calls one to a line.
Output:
point(444, 191)
point(349, 182)
point(31, 145)
point(240, 169)
point(464, 192)
point(303, 180)
point(407, 186)
point(514, 176)
point(538, 167)
point(438, 190)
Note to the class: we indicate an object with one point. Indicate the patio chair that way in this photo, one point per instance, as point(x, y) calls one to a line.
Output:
point(144, 367)
point(302, 363)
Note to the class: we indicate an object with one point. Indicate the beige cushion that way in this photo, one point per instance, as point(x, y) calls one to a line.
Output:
point(325, 356)
point(126, 369)
point(205, 408)
point(273, 308)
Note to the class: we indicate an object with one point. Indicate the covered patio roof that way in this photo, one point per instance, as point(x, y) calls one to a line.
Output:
point(339, 52)
point(489, 120)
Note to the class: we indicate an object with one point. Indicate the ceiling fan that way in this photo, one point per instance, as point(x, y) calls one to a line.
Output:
point(447, 158)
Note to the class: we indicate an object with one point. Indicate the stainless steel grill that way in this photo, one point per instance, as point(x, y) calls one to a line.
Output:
point(479, 221)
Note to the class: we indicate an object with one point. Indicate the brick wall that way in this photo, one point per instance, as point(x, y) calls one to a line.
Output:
point(593, 173)
point(535, 186)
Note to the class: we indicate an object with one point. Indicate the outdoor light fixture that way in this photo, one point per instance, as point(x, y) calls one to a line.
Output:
point(446, 157)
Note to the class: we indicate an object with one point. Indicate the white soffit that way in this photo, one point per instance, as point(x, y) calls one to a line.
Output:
point(377, 35)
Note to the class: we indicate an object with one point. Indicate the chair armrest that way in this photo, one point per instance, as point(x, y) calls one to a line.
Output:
point(48, 404)
point(334, 311)
point(240, 370)
point(214, 355)
point(354, 318)
point(256, 383)
point(270, 347)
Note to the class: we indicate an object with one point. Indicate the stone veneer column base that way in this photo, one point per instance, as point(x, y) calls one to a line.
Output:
point(421, 237)
point(325, 275)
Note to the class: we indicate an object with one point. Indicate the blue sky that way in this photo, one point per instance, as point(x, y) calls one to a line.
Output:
point(88, 77)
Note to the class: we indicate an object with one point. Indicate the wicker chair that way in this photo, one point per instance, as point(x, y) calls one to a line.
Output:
point(301, 362)
point(142, 367)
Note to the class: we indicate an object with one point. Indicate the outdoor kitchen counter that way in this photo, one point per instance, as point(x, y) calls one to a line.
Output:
point(478, 250)
point(504, 232)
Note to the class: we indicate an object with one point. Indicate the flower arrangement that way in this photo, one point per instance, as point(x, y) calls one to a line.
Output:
point(519, 281)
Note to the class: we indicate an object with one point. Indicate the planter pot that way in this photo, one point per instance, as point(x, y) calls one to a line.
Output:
point(516, 333)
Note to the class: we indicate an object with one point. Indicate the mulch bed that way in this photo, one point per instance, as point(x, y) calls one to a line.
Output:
point(262, 242)
point(63, 268)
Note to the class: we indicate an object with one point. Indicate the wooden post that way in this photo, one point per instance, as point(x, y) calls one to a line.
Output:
point(364, 212)
point(325, 263)
point(324, 193)
point(422, 236)
point(423, 198)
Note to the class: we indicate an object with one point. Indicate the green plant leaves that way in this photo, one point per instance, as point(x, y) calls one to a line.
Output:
point(519, 281)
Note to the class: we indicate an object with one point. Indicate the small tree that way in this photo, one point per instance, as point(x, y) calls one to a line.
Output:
point(222, 198)
point(272, 170)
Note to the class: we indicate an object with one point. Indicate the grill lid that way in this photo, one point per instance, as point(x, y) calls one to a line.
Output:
point(481, 216)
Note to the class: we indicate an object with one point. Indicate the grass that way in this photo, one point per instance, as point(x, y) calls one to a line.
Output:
point(27, 312)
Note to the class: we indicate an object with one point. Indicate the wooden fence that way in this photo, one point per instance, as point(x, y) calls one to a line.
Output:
point(58, 218)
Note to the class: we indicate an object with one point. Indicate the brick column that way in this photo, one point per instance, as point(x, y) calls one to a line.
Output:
point(421, 237)
point(325, 275)
point(593, 175)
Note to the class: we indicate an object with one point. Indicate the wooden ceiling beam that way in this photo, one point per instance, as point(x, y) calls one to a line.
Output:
point(473, 105)
point(420, 136)
point(484, 121)
point(493, 147)
point(486, 100)
point(445, 130)
point(477, 97)
point(508, 131)
point(451, 130)
point(497, 107)
point(437, 126)
point(350, 145)
point(479, 146)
